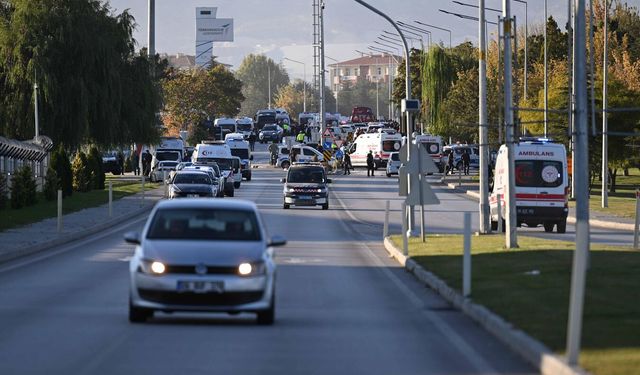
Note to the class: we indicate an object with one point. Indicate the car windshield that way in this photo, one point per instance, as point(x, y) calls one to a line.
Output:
point(244, 127)
point(242, 153)
point(538, 173)
point(306, 175)
point(204, 224)
point(192, 178)
point(395, 157)
point(169, 164)
point(269, 128)
point(167, 155)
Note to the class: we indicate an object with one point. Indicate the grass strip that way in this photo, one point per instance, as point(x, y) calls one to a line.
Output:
point(529, 287)
point(12, 218)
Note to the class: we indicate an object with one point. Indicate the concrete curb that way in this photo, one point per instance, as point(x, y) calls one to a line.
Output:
point(71, 237)
point(571, 219)
point(530, 349)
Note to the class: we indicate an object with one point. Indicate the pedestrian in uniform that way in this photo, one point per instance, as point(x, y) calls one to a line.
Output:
point(252, 140)
point(273, 150)
point(450, 163)
point(146, 163)
point(135, 160)
point(370, 163)
point(300, 137)
point(346, 163)
point(466, 159)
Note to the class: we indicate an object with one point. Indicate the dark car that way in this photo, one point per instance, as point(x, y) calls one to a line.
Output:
point(191, 184)
point(271, 132)
point(306, 185)
point(112, 164)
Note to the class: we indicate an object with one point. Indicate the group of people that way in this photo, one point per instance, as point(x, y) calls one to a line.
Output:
point(465, 159)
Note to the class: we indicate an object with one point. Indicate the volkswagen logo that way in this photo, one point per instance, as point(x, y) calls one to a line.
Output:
point(201, 269)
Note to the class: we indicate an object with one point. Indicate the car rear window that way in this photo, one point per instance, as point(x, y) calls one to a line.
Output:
point(192, 178)
point(538, 173)
point(204, 224)
point(395, 157)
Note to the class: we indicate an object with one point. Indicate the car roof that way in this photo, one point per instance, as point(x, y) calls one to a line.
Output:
point(239, 204)
point(191, 171)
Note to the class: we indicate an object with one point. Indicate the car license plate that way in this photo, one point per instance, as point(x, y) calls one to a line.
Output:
point(304, 197)
point(198, 286)
point(192, 195)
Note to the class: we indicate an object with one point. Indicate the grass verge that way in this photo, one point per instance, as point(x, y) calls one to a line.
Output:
point(10, 218)
point(530, 287)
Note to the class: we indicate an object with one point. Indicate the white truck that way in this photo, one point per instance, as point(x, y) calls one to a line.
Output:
point(541, 185)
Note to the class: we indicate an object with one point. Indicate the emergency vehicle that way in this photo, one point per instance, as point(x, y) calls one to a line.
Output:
point(434, 146)
point(381, 144)
point(541, 185)
point(226, 125)
point(240, 148)
point(244, 125)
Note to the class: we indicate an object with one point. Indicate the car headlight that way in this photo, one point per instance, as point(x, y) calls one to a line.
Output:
point(152, 267)
point(248, 269)
point(291, 190)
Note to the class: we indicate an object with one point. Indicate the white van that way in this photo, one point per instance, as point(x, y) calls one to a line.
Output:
point(244, 126)
point(226, 125)
point(220, 153)
point(541, 185)
point(304, 154)
point(434, 146)
point(381, 144)
point(240, 148)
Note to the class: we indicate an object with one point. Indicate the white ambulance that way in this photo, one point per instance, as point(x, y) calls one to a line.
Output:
point(381, 144)
point(541, 185)
point(434, 146)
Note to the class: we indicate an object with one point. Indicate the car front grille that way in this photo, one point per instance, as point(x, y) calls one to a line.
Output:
point(191, 270)
point(200, 299)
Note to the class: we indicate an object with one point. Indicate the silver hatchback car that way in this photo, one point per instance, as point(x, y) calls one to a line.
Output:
point(203, 256)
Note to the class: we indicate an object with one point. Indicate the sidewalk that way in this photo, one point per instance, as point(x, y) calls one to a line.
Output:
point(596, 219)
point(40, 236)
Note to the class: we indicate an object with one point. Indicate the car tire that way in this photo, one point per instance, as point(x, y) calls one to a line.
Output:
point(139, 314)
point(230, 193)
point(285, 164)
point(325, 206)
point(268, 316)
point(562, 226)
point(548, 226)
point(249, 177)
point(236, 185)
point(286, 206)
point(388, 174)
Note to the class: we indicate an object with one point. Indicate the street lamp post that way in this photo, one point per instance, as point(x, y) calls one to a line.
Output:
point(511, 239)
point(151, 29)
point(436, 27)
point(304, 82)
point(484, 209)
point(526, 36)
point(35, 102)
point(605, 125)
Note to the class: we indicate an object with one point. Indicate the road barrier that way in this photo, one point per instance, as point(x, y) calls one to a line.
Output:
point(466, 258)
point(110, 198)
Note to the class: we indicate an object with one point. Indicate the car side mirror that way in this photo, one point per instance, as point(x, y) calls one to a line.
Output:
point(329, 180)
point(283, 180)
point(132, 238)
point(277, 241)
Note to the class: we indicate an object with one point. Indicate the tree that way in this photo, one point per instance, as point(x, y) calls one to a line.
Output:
point(23, 188)
point(194, 96)
point(92, 86)
point(290, 98)
point(254, 73)
point(50, 190)
point(437, 78)
point(460, 108)
point(61, 164)
point(81, 173)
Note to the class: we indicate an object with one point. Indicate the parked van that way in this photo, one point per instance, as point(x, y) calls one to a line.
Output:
point(381, 144)
point(244, 126)
point(240, 148)
point(434, 147)
point(226, 125)
point(541, 185)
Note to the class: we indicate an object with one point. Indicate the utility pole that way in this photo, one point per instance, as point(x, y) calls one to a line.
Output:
point(269, 82)
point(511, 239)
point(581, 175)
point(605, 125)
point(151, 29)
point(526, 36)
point(323, 120)
point(485, 225)
point(546, 74)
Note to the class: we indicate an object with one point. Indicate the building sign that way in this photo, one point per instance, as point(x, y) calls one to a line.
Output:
point(214, 30)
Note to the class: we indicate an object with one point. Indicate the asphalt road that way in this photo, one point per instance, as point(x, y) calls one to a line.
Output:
point(343, 307)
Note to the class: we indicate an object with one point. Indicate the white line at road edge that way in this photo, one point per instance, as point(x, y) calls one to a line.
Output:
point(445, 329)
point(68, 247)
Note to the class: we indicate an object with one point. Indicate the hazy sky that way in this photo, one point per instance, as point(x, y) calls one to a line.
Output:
point(283, 28)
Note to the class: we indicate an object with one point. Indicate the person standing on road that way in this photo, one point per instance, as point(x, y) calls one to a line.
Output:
point(450, 163)
point(466, 159)
point(273, 150)
point(308, 132)
point(135, 161)
point(252, 140)
point(300, 137)
point(346, 163)
point(370, 164)
point(146, 163)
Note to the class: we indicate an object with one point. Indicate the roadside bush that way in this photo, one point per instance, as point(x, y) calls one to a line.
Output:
point(60, 163)
point(51, 183)
point(81, 173)
point(4, 190)
point(128, 164)
point(94, 160)
point(23, 188)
